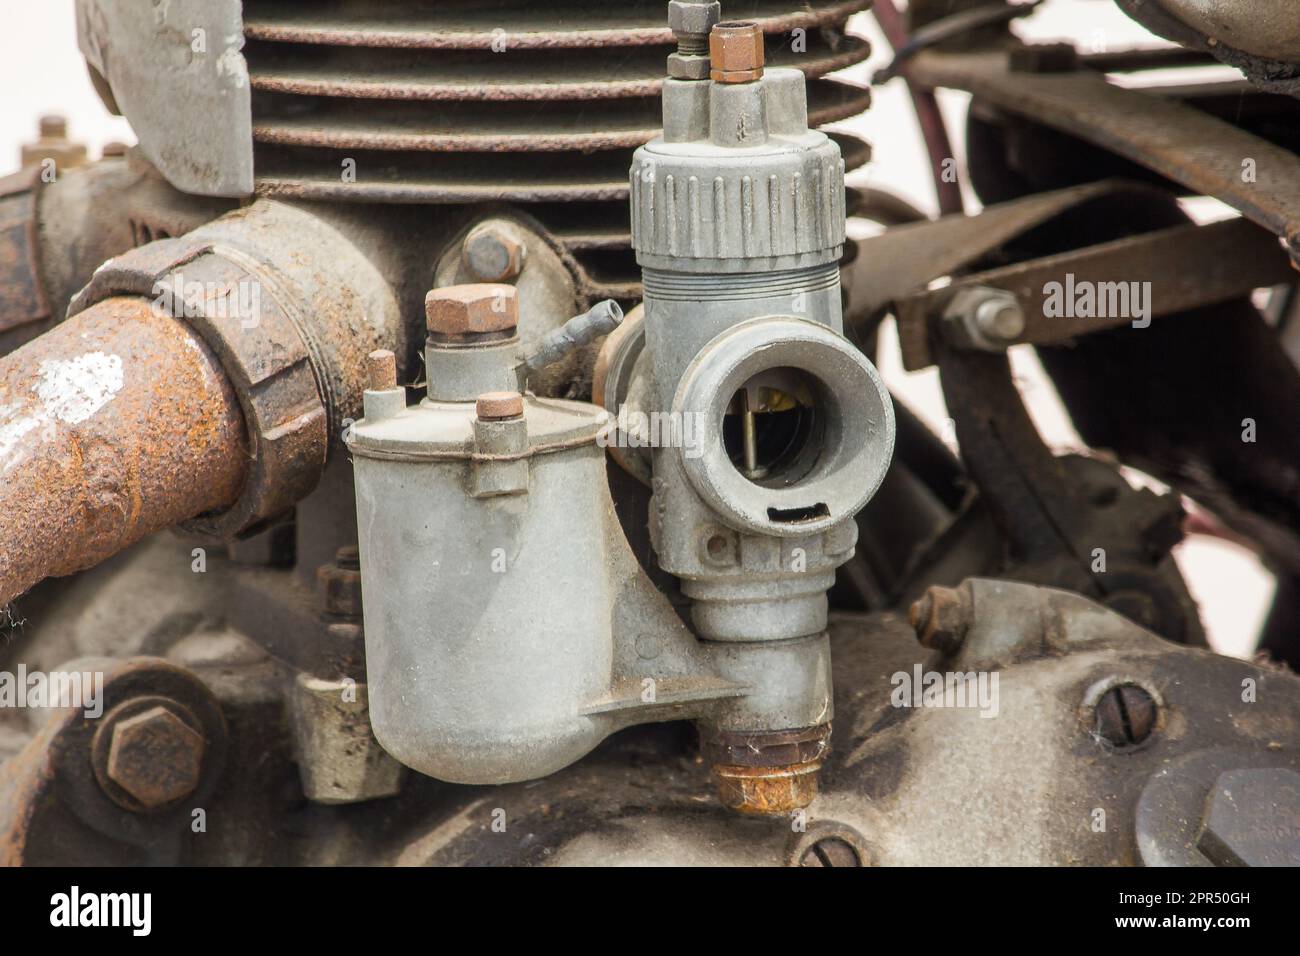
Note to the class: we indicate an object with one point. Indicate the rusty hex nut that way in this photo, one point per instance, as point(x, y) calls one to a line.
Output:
point(493, 252)
point(498, 406)
point(478, 309)
point(941, 618)
point(340, 585)
point(156, 757)
point(736, 52)
point(766, 791)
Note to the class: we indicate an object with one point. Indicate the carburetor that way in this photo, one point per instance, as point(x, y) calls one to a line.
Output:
point(738, 224)
point(508, 625)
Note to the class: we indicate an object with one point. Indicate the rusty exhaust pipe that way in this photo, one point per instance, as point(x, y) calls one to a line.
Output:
point(113, 425)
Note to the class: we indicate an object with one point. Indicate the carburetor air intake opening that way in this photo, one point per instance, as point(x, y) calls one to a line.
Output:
point(775, 426)
point(796, 427)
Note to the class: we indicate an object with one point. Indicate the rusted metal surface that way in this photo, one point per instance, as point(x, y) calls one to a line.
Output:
point(1258, 37)
point(522, 127)
point(381, 370)
point(574, 91)
point(291, 308)
point(1187, 267)
point(766, 791)
point(113, 425)
point(941, 618)
point(1049, 511)
point(261, 349)
point(1186, 145)
point(905, 259)
point(148, 754)
point(22, 291)
point(765, 774)
point(471, 310)
point(498, 406)
point(514, 26)
point(53, 787)
point(413, 177)
point(736, 52)
point(340, 585)
point(529, 75)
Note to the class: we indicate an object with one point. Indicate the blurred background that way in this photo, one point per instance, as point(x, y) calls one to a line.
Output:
point(42, 72)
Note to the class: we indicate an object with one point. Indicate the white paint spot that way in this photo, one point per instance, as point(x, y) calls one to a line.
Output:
point(69, 391)
point(12, 428)
point(75, 389)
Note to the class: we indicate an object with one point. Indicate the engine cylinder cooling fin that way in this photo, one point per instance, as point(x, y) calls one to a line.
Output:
point(462, 102)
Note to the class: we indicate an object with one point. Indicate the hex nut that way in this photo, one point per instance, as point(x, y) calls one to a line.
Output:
point(684, 67)
point(736, 52)
point(1252, 818)
point(156, 758)
point(493, 252)
point(340, 588)
point(693, 19)
point(472, 309)
point(941, 618)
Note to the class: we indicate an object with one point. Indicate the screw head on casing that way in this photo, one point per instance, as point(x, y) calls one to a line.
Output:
point(830, 852)
point(1125, 716)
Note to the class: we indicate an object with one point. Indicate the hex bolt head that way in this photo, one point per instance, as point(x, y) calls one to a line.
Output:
point(499, 406)
point(1125, 716)
point(156, 757)
point(493, 252)
point(941, 618)
point(736, 52)
point(340, 584)
point(1252, 818)
point(468, 310)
